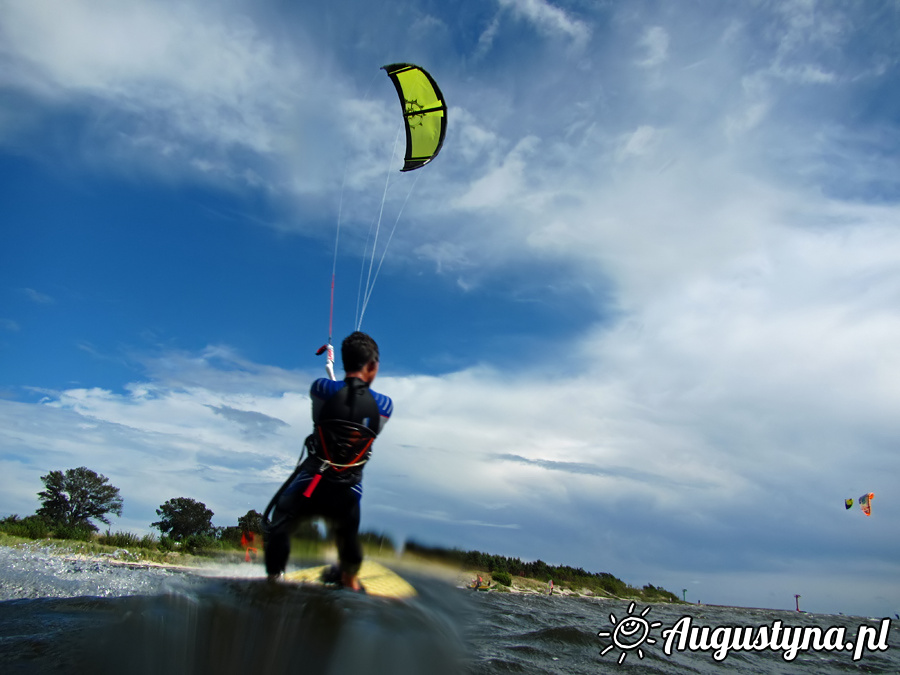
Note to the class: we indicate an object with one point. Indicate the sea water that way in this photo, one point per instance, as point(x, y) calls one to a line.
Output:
point(541, 634)
point(71, 615)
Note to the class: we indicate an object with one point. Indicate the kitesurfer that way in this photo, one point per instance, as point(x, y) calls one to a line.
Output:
point(347, 415)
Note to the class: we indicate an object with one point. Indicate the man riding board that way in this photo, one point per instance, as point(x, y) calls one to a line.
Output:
point(347, 415)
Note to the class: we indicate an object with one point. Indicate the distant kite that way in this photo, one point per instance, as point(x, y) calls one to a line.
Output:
point(864, 503)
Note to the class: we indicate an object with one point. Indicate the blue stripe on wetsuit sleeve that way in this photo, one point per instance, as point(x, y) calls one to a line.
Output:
point(323, 388)
point(385, 405)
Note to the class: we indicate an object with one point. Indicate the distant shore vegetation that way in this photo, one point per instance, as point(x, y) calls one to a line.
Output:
point(503, 570)
point(74, 498)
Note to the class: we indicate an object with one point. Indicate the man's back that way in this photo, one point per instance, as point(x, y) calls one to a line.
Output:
point(330, 402)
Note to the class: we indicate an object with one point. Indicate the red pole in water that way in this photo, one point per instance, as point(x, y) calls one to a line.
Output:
point(797, 600)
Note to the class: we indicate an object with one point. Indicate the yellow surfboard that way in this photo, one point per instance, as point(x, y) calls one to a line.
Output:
point(376, 579)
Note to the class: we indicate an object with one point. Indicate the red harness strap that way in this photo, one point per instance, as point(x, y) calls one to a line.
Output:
point(312, 485)
point(345, 438)
point(352, 439)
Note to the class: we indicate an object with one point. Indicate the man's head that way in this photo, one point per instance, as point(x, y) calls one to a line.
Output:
point(360, 355)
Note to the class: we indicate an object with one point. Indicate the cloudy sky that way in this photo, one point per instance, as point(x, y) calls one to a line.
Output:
point(641, 315)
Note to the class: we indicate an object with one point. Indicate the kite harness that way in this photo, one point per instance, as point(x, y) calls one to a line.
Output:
point(337, 446)
point(345, 427)
point(341, 442)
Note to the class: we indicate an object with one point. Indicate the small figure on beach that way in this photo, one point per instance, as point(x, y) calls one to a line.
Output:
point(248, 541)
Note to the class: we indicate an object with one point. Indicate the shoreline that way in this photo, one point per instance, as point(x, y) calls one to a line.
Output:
point(463, 578)
point(460, 578)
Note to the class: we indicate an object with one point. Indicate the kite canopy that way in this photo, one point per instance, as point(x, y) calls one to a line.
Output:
point(424, 112)
point(865, 503)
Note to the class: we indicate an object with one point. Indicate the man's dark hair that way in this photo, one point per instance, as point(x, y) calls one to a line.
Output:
point(357, 350)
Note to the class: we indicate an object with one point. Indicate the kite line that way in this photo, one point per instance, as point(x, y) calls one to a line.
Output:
point(425, 123)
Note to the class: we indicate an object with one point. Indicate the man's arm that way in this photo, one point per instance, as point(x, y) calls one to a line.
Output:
point(385, 408)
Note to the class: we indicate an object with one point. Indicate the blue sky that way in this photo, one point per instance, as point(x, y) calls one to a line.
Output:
point(639, 316)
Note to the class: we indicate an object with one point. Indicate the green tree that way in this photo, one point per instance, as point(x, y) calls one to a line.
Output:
point(231, 535)
point(73, 498)
point(183, 517)
point(502, 577)
point(251, 522)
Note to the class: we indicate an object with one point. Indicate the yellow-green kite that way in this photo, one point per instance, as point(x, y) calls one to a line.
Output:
point(424, 111)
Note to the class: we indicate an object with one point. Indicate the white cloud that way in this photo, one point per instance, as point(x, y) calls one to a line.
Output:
point(486, 39)
point(502, 184)
point(754, 111)
point(37, 297)
point(446, 256)
point(175, 85)
point(154, 444)
point(655, 43)
point(640, 142)
point(550, 19)
point(164, 58)
point(474, 143)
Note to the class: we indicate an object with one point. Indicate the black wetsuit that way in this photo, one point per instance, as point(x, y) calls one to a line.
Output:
point(330, 490)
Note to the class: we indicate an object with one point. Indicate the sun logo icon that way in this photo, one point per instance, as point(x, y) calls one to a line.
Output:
point(629, 633)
